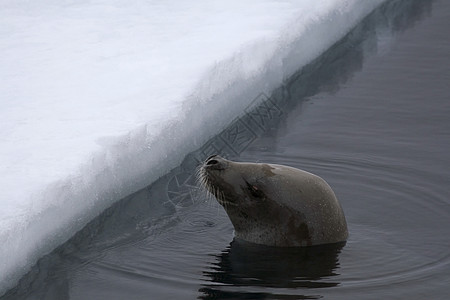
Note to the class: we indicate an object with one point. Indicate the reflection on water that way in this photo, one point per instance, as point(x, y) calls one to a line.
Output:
point(247, 265)
point(327, 73)
point(165, 240)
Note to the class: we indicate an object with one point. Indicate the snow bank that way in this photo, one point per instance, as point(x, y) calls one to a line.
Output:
point(100, 98)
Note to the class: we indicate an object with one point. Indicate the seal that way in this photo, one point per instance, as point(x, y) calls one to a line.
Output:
point(275, 205)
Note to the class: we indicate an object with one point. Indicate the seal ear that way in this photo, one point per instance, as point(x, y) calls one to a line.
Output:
point(254, 191)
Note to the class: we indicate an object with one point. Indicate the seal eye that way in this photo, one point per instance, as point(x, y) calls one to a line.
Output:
point(254, 191)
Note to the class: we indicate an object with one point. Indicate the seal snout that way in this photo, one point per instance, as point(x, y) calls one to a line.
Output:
point(215, 162)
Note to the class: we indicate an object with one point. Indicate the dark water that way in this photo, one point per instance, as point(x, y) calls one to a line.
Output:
point(371, 116)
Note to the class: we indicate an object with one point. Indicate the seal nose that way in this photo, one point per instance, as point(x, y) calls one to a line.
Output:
point(215, 162)
point(212, 162)
point(209, 157)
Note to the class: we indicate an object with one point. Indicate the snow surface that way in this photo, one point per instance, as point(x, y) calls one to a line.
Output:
point(99, 98)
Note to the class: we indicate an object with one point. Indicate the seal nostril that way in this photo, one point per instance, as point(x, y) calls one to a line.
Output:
point(214, 155)
point(212, 162)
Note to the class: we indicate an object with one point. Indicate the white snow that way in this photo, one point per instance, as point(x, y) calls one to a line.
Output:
point(99, 98)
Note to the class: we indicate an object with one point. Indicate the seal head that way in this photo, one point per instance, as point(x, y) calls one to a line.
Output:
point(275, 205)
